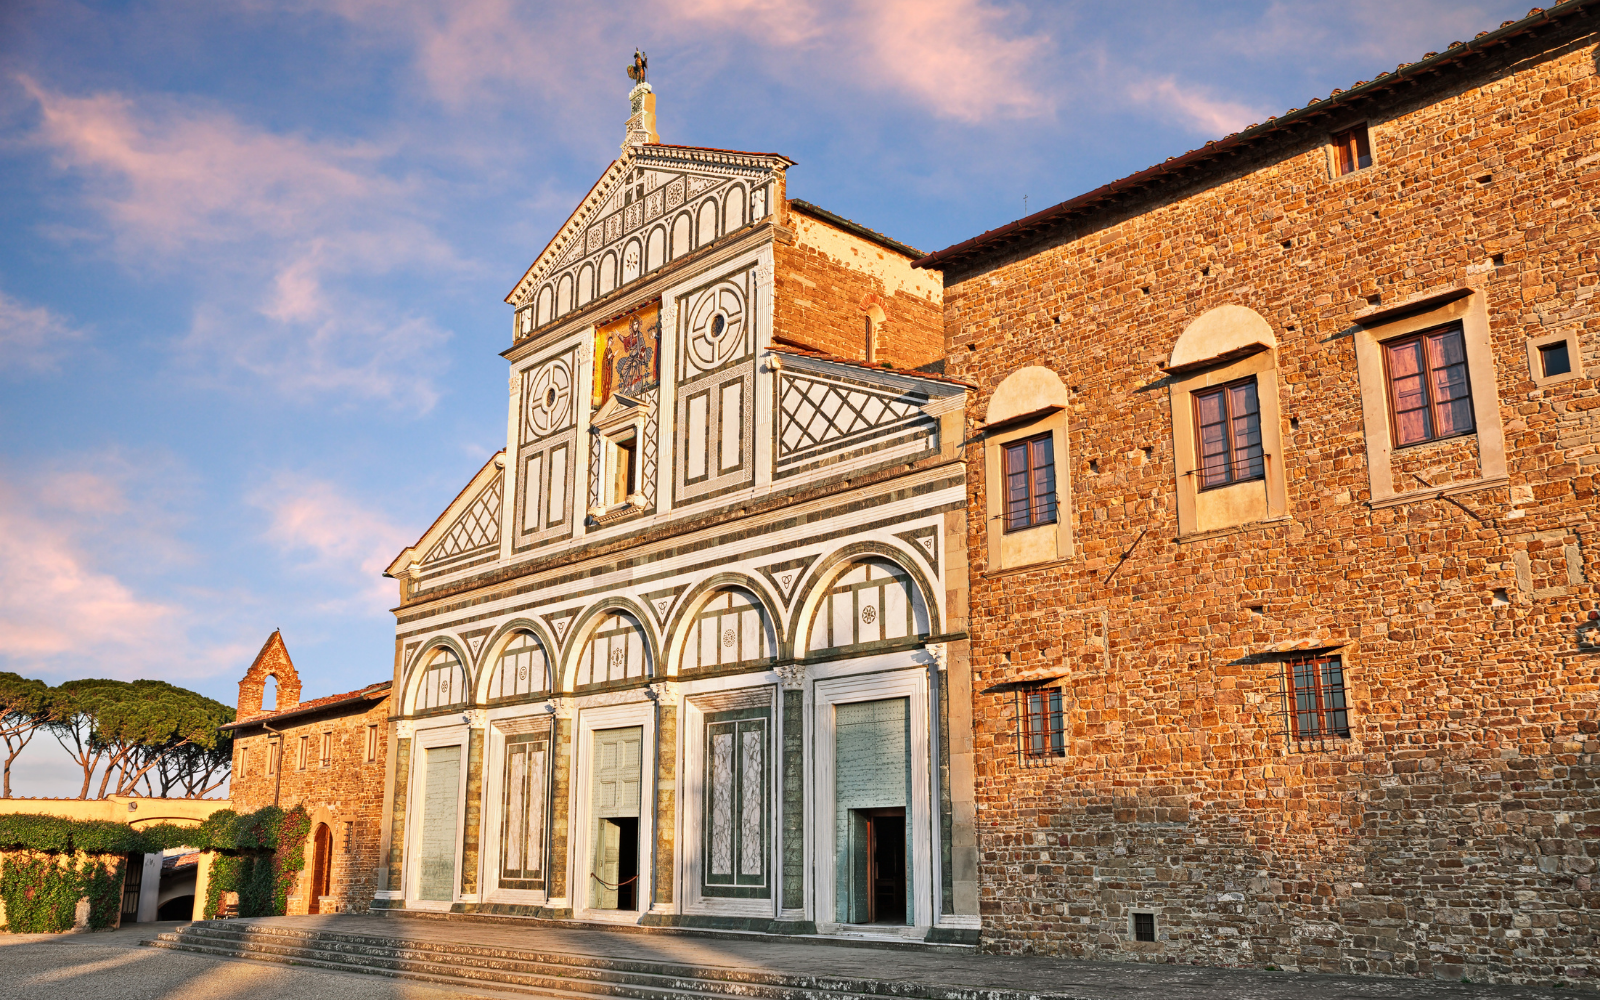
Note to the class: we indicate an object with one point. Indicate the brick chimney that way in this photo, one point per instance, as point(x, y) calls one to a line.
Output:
point(273, 661)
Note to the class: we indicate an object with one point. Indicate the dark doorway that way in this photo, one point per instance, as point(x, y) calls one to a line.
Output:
point(321, 863)
point(132, 882)
point(177, 908)
point(627, 861)
point(886, 866)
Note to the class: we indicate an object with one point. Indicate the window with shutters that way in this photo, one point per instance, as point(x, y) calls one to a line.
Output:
point(1430, 394)
point(372, 743)
point(1352, 150)
point(304, 755)
point(1030, 483)
point(1227, 423)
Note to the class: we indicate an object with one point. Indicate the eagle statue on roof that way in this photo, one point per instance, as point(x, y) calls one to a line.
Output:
point(641, 62)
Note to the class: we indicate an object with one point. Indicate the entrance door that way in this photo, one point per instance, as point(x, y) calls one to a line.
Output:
point(132, 882)
point(437, 845)
point(872, 790)
point(886, 874)
point(614, 877)
point(321, 865)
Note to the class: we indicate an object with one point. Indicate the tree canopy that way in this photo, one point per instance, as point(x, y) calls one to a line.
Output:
point(144, 737)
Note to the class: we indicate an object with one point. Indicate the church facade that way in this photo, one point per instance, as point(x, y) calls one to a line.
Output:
point(691, 650)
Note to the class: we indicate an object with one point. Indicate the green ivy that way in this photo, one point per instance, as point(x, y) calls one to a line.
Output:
point(41, 891)
point(257, 855)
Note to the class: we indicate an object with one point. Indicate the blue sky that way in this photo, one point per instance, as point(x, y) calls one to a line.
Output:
point(253, 254)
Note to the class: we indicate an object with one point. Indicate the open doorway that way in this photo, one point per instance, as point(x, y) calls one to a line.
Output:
point(619, 862)
point(878, 866)
point(321, 866)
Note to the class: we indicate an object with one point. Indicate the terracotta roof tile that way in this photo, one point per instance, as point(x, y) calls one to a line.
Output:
point(372, 692)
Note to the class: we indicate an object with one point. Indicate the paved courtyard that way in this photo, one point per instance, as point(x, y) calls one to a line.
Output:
point(113, 966)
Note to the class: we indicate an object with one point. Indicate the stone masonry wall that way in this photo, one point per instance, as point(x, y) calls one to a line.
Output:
point(1455, 833)
point(827, 281)
point(347, 795)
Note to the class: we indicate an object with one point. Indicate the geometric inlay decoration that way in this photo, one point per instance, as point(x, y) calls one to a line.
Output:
point(477, 528)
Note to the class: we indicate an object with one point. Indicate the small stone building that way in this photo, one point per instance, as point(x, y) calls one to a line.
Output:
point(1284, 539)
point(327, 754)
point(691, 650)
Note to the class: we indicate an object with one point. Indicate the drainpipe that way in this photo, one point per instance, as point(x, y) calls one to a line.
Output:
point(655, 800)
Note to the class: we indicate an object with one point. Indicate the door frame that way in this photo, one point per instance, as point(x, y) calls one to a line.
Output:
point(422, 741)
point(580, 848)
point(910, 682)
point(535, 717)
point(320, 855)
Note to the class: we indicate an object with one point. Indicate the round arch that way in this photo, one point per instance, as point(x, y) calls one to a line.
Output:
point(1029, 390)
point(497, 643)
point(827, 569)
point(1227, 331)
point(583, 629)
point(677, 629)
point(419, 666)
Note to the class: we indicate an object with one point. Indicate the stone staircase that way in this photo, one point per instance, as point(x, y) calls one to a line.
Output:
point(561, 975)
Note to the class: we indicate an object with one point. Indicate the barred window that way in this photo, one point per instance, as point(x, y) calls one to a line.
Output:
point(1316, 689)
point(1430, 395)
point(326, 756)
point(1041, 732)
point(372, 743)
point(305, 753)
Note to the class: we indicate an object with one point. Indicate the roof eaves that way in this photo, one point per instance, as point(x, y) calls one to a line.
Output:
point(1194, 159)
point(870, 235)
point(835, 359)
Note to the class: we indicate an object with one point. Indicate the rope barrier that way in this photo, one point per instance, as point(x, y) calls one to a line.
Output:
point(608, 885)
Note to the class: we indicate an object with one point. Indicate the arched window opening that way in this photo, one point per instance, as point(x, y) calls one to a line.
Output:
point(522, 669)
point(444, 683)
point(269, 694)
point(874, 601)
point(615, 651)
point(731, 627)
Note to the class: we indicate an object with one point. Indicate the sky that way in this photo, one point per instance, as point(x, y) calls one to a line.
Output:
point(253, 254)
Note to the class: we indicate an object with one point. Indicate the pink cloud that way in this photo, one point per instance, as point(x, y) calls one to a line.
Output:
point(1191, 106)
point(62, 613)
point(299, 218)
point(953, 57)
point(33, 338)
point(335, 536)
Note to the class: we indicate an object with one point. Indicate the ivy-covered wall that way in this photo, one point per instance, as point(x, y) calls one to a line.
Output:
point(47, 863)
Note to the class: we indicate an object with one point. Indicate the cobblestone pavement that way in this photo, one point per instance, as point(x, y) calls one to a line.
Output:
point(1086, 980)
point(111, 966)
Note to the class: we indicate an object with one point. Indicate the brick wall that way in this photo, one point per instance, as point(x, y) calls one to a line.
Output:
point(1456, 832)
point(347, 795)
point(828, 280)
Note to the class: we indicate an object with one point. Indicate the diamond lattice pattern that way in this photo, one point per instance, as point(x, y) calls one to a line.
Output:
point(815, 413)
point(477, 528)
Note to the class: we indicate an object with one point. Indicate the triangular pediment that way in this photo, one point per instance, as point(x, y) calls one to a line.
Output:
point(467, 531)
point(646, 208)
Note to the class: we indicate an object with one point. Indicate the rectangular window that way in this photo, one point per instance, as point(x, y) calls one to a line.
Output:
point(1144, 926)
point(1316, 687)
point(624, 468)
point(1351, 150)
point(1030, 477)
point(1554, 359)
point(1042, 732)
point(244, 762)
point(1430, 397)
point(274, 755)
point(305, 753)
point(1228, 421)
point(326, 756)
point(372, 743)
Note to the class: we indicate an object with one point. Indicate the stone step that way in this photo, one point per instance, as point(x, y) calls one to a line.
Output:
point(565, 974)
point(522, 973)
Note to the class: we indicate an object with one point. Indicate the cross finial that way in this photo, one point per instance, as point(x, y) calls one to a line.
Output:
point(641, 63)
